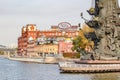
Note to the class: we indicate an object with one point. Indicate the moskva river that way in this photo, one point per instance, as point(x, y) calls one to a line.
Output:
point(15, 70)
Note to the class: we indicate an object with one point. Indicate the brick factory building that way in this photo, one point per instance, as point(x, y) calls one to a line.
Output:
point(32, 37)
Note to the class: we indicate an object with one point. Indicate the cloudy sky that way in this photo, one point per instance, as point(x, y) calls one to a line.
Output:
point(16, 13)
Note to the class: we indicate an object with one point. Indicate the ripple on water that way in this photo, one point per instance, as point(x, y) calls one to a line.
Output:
point(14, 70)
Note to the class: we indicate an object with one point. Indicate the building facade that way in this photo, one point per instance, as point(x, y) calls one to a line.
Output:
point(46, 49)
point(65, 47)
point(31, 37)
point(29, 33)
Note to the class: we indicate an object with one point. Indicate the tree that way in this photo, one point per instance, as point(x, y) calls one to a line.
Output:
point(81, 43)
point(1, 52)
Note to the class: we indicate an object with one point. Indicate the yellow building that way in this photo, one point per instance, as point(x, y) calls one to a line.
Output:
point(47, 49)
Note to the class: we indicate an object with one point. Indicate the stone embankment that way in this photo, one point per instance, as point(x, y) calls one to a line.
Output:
point(37, 60)
point(47, 60)
point(90, 66)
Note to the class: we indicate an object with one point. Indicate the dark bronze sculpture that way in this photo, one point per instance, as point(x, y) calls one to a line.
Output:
point(106, 22)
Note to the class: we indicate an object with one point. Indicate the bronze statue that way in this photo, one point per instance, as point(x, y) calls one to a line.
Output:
point(106, 22)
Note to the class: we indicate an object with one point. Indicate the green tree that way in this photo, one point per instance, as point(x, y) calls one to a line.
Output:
point(78, 45)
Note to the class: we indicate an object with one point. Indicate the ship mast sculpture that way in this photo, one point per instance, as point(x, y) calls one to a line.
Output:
point(106, 22)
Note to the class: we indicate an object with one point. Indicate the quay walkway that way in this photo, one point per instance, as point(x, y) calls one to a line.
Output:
point(89, 67)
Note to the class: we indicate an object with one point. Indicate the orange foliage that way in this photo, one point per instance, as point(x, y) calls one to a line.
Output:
point(71, 55)
point(87, 29)
point(88, 44)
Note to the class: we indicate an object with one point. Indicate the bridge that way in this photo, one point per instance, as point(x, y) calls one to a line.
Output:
point(7, 51)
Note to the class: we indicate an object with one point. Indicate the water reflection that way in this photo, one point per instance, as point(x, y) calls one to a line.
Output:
point(14, 70)
point(106, 76)
point(97, 76)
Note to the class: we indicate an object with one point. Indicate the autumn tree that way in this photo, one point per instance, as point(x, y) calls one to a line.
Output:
point(81, 44)
point(1, 52)
point(78, 45)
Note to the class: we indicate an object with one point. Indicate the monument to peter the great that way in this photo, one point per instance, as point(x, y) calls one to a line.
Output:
point(106, 22)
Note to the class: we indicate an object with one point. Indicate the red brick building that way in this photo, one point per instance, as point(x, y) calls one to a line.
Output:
point(30, 33)
point(65, 47)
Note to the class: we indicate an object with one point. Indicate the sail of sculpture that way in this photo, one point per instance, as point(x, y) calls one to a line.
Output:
point(106, 22)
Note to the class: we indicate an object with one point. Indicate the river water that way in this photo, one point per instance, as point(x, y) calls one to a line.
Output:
point(15, 70)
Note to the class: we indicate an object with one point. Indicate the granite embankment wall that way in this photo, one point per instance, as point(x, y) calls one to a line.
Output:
point(47, 60)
